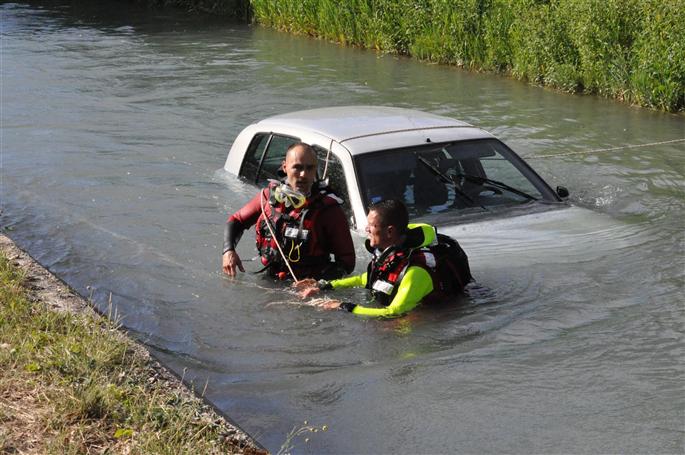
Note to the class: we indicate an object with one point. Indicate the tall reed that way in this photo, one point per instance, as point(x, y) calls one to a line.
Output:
point(631, 50)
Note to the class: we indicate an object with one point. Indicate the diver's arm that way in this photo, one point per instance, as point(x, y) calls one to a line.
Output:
point(354, 281)
point(249, 213)
point(416, 284)
point(230, 261)
point(309, 286)
point(233, 230)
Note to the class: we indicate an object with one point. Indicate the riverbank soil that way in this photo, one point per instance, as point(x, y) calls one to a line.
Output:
point(72, 382)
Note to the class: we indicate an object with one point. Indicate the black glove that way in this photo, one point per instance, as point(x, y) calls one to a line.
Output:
point(347, 306)
point(324, 285)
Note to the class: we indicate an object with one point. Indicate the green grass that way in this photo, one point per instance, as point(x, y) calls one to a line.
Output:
point(73, 383)
point(630, 50)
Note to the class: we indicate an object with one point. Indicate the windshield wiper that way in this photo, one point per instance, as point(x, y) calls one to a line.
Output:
point(447, 179)
point(497, 184)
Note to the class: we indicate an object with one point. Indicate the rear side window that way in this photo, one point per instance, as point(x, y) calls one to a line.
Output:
point(253, 157)
point(264, 157)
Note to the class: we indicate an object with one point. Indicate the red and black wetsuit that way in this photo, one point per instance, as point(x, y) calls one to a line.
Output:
point(308, 235)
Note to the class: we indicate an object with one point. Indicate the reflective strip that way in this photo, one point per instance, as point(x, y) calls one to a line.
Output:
point(430, 259)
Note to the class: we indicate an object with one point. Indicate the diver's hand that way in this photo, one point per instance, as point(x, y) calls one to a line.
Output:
point(231, 263)
point(307, 287)
point(331, 304)
point(308, 292)
point(305, 283)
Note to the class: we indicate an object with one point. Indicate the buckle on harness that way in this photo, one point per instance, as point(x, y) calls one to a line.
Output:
point(383, 286)
point(296, 233)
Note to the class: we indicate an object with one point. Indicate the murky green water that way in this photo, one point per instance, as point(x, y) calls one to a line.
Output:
point(115, 126)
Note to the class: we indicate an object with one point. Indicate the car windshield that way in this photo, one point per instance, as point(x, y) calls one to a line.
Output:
point(466, 175)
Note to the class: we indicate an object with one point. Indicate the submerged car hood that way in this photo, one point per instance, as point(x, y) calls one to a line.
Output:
point(538, 238)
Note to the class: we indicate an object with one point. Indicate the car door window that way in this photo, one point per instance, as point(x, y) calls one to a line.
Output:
point(264, 157)
point(253, 157)
point(273, 157)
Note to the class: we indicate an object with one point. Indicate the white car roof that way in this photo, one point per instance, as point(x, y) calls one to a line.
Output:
point(358, 127)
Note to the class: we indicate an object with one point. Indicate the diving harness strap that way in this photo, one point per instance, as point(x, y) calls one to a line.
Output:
point(273, 235)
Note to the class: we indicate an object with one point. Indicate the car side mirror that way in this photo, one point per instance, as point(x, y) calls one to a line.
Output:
point(562, 192)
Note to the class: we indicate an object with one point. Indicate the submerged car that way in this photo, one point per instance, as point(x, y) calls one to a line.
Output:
point(446, 171)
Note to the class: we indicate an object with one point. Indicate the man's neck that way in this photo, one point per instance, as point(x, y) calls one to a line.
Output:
point(393, 243)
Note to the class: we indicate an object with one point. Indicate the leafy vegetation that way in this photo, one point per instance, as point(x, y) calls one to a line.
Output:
point(631, 50)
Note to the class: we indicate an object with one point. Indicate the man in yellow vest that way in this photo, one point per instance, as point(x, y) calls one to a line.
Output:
point(404, 270)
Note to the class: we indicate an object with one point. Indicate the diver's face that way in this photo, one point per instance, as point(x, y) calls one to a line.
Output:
point(379, 236)
point(300, 169)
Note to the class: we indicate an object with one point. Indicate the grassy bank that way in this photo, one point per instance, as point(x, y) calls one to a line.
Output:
point(73, 383)
point(631, 50)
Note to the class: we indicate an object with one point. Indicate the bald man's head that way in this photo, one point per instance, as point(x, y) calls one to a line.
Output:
point(300, 167)
point(301, 146)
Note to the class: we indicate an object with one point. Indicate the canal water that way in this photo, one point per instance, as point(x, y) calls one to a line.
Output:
point(115, 127)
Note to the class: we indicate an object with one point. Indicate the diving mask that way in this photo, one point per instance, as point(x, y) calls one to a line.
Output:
point(288, 196)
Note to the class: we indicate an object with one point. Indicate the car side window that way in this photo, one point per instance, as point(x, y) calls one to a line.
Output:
point(253, 157)
point(336, 177)
point(273, 158)
point(264, 157)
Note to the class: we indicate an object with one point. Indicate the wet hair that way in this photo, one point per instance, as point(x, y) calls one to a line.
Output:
point(306, 147)
point(391, 212)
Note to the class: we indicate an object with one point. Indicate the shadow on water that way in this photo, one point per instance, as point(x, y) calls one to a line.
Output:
point(115, 124)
